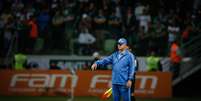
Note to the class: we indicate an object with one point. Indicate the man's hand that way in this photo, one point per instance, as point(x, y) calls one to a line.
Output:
point(129, 83)
point(93, 67)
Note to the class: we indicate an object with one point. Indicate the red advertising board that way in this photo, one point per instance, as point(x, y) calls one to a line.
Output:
point(84, 83)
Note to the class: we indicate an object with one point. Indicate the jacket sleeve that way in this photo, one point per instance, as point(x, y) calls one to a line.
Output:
point(132, 67)
point(104, 61)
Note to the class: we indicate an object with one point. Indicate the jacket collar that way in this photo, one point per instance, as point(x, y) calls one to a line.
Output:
point(125, 52)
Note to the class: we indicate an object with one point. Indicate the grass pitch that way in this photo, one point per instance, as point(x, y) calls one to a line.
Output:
point(59, 98)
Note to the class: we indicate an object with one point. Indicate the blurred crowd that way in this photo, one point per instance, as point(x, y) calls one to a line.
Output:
point(82, 26)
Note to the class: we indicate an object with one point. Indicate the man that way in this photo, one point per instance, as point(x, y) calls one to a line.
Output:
point(123, 68)
point(153, 62)
point(85, 41)
point(20, 61)
point(175, 58)
point(133, 81)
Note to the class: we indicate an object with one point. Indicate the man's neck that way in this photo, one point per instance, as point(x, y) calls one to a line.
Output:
point(122, 51)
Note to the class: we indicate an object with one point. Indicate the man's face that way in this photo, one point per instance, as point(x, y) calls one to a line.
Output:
point(122, 47)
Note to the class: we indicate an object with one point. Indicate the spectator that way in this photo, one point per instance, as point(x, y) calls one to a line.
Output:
point(70, 25)
point(7, 29)
point(33, 34)
point(8, 33)
point(153, 62)
point(6, 16)
point(159, 37)
point(142, 42)
point(20, 61)
point(173, 31)
point(130, 24)
point(100, 23)
point(139, 9)
point(114, 23)
point(43, 21)
point(85, 22)
point(175, 58)
point(144, 21)
point(22, 31)
point(86, 41)
point(1, 37)
point(186, 34)
point(92, 9)
point(58, 30)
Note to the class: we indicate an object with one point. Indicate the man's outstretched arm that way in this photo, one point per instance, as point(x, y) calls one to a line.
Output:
point(104, 61)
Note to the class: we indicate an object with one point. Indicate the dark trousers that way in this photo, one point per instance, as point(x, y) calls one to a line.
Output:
point(132, 91)
point(175, 69)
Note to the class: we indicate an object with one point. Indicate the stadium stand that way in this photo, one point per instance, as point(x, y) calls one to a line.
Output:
point(60, 21)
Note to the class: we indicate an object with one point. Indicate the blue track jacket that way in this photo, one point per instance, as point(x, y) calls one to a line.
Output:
point(123, 68)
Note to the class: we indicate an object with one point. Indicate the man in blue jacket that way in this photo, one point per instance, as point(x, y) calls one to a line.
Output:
point(123, 68)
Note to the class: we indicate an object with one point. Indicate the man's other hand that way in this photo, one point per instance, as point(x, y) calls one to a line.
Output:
point(129, 83)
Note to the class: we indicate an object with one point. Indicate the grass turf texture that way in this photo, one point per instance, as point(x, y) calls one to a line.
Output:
point(58, 98)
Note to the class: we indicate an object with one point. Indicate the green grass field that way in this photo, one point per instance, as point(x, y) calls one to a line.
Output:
point(45, 98)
